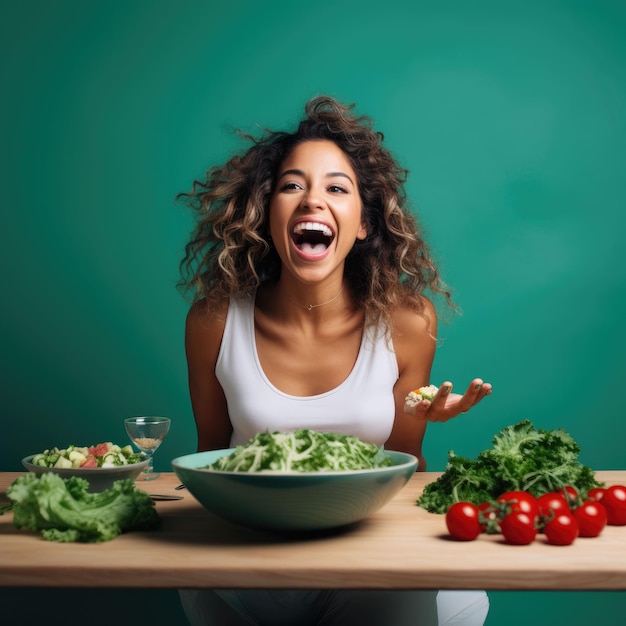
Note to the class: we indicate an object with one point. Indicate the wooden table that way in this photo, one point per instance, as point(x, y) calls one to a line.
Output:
point(400, 547)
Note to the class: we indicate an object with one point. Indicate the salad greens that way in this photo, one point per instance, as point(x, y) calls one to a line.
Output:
point(64, 511)
point(522, 458)
point(303, 450)
point(102, 455)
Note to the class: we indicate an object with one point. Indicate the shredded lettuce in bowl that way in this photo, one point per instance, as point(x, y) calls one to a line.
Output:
point(302, 450)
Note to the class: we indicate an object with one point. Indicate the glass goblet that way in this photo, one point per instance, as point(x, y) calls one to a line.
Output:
point(147, 433)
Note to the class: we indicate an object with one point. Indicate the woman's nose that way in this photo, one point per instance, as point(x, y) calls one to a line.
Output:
point(313, 198)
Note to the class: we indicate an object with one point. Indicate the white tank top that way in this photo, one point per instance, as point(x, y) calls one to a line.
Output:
point(362, 405)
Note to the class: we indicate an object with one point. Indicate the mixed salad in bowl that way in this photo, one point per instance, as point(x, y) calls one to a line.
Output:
point(105, 454)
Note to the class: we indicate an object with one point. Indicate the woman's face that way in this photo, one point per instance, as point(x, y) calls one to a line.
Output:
point(316, 210)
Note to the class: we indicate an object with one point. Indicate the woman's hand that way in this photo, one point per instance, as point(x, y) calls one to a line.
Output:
point(446, 405)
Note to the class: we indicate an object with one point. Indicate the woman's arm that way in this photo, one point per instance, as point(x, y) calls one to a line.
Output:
point(414, 340)
point(203, 336)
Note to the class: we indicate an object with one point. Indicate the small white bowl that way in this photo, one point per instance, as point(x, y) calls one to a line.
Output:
point(99, 478)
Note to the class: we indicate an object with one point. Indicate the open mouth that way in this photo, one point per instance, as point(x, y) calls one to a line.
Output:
point(312, 237)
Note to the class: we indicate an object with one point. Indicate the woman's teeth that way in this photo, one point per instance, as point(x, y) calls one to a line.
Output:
point(302, 227)
point(312, 237)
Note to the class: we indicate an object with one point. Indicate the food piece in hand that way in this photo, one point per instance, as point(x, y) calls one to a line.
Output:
point(417, 395)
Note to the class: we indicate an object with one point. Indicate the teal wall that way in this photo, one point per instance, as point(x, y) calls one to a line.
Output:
point(509, 115)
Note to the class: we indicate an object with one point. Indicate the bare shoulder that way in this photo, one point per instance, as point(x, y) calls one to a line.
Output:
point(411, 325)
point(205, 324)
point(414, 335)
point(202, 316)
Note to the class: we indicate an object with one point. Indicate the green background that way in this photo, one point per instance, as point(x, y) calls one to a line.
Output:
point(509, 116)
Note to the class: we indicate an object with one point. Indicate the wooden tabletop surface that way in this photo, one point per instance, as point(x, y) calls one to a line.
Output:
point(400, 547)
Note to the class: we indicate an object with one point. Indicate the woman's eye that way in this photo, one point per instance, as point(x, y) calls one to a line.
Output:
point(337, 189)
point(290, 186)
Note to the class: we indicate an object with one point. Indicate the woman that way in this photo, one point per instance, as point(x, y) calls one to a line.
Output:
point(309, 278)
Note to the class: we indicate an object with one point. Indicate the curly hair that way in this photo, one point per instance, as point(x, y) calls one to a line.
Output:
point(230, 251)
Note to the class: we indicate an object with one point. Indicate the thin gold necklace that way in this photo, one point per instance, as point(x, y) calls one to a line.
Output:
point(308, 307)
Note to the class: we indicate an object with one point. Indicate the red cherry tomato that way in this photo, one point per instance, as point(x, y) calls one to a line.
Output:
point(596, 493)
point(552, 503)
point(562, 530)
point(89, 462)
point(462, 521)
point(518, 528)
point(614, 501)
point(591, 517)
point(99, 450)
point(572, 496)
point(488, 518)
point(521, 501)
point(570, 492)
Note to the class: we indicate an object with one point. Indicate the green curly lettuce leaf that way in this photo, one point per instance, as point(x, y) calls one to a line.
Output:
point(63, 510)
point(522, 457)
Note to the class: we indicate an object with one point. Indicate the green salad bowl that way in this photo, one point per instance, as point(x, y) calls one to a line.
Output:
point(295, 501)
point(99, 478)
